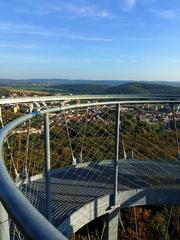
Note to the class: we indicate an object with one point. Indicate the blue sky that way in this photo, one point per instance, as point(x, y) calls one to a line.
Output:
point(90, 39)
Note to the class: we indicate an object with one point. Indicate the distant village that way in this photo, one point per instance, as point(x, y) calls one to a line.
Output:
point(148, 113)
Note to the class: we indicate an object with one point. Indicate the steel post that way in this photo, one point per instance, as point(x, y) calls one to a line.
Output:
point(117, 135)
point(47, 166)
point(111, 229)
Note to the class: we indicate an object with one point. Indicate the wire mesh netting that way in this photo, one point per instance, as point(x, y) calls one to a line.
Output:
point(82, 144)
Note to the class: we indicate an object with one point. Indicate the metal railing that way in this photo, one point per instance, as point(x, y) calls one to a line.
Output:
point(29, 221)
point(120, 97)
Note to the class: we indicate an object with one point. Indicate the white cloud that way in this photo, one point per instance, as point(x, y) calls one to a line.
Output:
point(65, 9)
point(166, 14)
point(88, 38)
point(28, 29)
point(20, 46)
point(131, 3)
point(128, 4)
point(86, 10)
point(25, 29)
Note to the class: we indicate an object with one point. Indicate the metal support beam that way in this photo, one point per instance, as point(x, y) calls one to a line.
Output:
point(111, 230)
point(4, 224)
point(47, 166)
point(117, 140)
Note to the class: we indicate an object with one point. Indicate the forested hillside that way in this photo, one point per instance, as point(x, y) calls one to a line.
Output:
point(83, 88)
point(143, 88)
point(127, 88)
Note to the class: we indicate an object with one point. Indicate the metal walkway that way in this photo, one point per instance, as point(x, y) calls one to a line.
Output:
point(75, 187)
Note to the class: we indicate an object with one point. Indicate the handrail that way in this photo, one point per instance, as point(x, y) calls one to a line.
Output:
point(84, 97)
point(31, 223)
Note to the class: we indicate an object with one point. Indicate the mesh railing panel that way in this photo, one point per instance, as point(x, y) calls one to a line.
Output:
point(83, 150)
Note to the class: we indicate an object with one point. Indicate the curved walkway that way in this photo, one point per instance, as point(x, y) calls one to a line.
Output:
point(84, 192)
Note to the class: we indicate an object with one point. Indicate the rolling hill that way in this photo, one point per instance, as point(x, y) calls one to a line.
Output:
point(143, 88)
point(127, 88)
